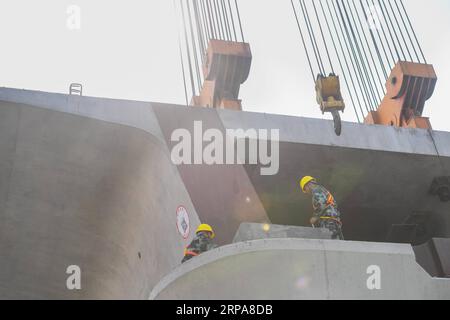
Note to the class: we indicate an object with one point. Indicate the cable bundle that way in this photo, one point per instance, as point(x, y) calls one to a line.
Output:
point(201, 21)
point(368, 37)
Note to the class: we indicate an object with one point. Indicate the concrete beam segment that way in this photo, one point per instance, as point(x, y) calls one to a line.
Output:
point(130, 113)
point(223, 195)
point(379, 175)
point(305, 269)
point(71, 182)
point(78, 191)
point(355, 166)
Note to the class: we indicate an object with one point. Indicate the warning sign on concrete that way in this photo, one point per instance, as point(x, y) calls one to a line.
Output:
point(183, 222)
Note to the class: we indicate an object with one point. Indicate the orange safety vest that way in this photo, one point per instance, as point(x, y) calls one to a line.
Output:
point(330, 200)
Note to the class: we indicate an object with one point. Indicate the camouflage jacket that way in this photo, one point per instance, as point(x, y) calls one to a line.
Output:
point(200, 244)
point(323, 203)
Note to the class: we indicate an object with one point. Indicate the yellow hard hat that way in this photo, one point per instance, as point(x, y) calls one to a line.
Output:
point(305, 181)
point(206, 227)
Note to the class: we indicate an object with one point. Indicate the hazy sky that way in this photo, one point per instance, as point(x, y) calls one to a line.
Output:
point(129, 50)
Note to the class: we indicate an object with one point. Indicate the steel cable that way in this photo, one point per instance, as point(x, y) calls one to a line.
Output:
point(375, 44)
point(340, 64)
point(303, 41)
point(366, 62)
point(400, 30)
point(375, 65)
point(413, 31)
point(312, 37)
point(323, 37)
point(407, 31)
point(352, 52)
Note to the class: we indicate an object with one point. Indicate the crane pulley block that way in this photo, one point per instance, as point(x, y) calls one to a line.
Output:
point(226, 67)
point(329, 95)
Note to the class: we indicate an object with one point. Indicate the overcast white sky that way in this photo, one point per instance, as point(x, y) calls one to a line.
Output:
point(129, 50)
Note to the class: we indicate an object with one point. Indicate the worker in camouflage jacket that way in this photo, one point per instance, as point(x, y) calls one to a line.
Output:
point(202, 242)
point(326, 213)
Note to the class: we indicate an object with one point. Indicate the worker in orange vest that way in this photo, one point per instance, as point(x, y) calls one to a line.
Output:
point(202, 242)
point(326, 213)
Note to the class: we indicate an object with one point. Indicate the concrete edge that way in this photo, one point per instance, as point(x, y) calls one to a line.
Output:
point(138, 114)
point(279, 244)
point(110, 110)
point(375, 137)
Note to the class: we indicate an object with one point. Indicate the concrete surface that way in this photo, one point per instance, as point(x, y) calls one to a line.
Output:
point(303, 269)
point(90, 181)
point(223, 195)
point(134, 114)
point(434, 257)
point(78, 191)
point(379, 175)
point(256, 231)
point(354, 166)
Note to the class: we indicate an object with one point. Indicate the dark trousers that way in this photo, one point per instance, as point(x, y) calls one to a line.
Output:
point(333, 226)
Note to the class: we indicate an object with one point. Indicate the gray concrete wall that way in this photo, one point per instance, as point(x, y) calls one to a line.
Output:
point(356, 136)
point(354, 166)
point(301, 269)
point(79, 191)
point(130, 113)
point(225, 207)
point(223, 195)
point(379, 175)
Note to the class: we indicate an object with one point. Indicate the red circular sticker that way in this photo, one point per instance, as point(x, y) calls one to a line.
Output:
point(183, 222)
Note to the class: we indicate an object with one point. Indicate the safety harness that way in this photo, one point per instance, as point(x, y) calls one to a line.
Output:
point(188, 252)
point(330, 202)
point(332, 219)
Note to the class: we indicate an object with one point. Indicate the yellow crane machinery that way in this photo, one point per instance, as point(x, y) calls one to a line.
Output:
point(329, 98)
